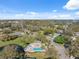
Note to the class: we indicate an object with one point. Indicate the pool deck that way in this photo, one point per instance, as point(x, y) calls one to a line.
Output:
point(34, 47)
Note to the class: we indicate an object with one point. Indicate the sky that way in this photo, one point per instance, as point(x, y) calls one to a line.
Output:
point(39, 9)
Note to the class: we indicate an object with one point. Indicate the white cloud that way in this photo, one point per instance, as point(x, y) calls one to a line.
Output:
point(61, 16)
point(77, 13)
point(26, 15)
point(54, 10)
point(72, 5)
point(37, 15)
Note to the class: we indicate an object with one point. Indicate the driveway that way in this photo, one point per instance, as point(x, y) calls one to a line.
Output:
point(61, 50)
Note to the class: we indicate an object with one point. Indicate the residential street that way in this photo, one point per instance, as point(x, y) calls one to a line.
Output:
point(61, 50)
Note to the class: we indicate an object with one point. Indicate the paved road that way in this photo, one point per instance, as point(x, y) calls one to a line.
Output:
point(61, 50)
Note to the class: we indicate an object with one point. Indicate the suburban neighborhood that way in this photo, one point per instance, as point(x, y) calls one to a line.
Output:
point(39, 29)
point(42, 39)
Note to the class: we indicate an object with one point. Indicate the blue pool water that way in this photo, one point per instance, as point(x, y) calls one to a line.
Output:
point(37, 49)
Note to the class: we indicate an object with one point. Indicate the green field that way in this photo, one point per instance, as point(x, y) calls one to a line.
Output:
point(20, 41)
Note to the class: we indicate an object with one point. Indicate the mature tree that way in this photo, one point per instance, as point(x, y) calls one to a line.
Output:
point(48, 31)
point(74, 48)
point(12, 51)
point(7, 30)
point(52, 53)
point(42, 38)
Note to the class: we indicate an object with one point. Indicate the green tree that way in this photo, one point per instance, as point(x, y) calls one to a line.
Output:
point(7, 30)
point(74, 48)
point(12, 51)
point(60, 39)
point(42, 38)
point(52, 53)
point(48, 31)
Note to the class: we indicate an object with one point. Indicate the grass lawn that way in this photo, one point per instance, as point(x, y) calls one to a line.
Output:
point(37, 55)
point(20, 41)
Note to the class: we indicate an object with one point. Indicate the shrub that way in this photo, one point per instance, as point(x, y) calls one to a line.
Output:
point(48, 31)
point(12, 51)
point(60, 39)
point(6, 37)
point(7, 30)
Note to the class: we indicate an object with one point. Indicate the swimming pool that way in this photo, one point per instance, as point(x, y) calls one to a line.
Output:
point(37, 49)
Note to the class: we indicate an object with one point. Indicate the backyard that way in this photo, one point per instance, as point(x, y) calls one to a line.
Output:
point(20, 41)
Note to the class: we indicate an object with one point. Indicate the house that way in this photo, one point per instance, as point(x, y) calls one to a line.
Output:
point(73, 38)
point(1, 30)
point(71, 57)
point(35, 50)
point(34, 47)
point(3, 36)
point(16, 34)
point(77, 33)
point(60, 31)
